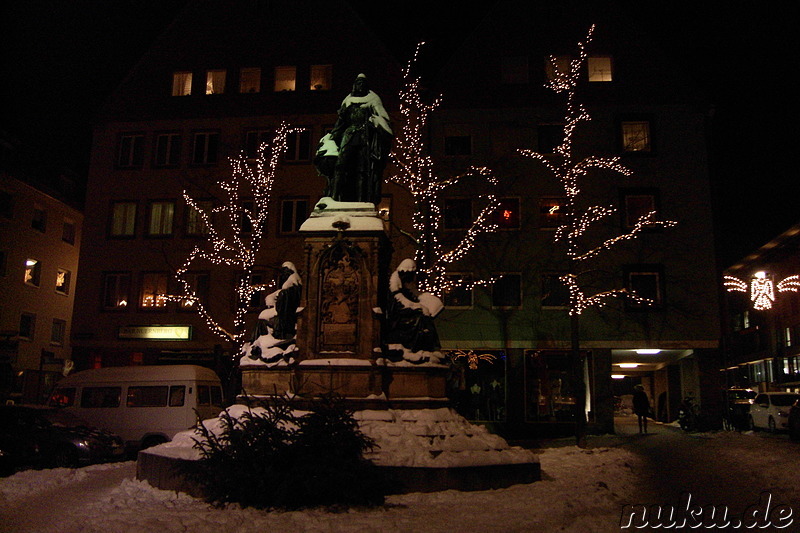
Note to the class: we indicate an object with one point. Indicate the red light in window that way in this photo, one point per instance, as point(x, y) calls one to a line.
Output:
point(507, 214)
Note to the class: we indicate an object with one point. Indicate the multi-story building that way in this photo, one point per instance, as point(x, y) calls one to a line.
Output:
point(217, 82)
point(761, 315)
point(40, 238)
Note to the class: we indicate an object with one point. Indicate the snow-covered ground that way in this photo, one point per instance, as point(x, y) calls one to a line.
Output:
point(581, 491)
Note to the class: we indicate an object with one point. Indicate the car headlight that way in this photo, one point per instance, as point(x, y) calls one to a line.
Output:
point(783, 414)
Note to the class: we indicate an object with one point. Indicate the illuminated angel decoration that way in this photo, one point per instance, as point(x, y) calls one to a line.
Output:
point(471, 357)
point(762, 288)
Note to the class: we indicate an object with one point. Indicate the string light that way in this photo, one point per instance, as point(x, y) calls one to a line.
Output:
point(235, 231)
point(416, 174)
point(761, 288)
point(570, 171)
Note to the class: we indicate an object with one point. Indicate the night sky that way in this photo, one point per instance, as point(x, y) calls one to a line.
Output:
point(61, 58)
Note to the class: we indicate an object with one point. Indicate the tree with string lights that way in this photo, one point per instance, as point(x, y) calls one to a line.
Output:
point(416, 173)
point(233, 235)
point(578, 220)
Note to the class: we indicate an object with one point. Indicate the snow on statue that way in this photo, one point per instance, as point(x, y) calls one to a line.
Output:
point(410, 332)
point(273, 339)
point(353, 155)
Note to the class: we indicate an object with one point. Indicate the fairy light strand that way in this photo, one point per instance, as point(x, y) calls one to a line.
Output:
point(234, 232)
point(570, 171)
point(416, 174)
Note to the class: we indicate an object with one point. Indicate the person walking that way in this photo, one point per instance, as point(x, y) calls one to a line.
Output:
point(641, 406)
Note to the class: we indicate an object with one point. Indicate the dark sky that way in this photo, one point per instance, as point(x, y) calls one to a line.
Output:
point(62, 57)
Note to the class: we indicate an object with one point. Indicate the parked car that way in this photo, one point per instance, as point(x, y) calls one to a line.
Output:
point(42, 438)
point(770, 410)
point(737, 408)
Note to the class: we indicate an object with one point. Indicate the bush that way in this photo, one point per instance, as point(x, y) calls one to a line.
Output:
point(278, 460)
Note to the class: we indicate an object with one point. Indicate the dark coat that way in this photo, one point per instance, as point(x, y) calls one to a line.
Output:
point(641, 404)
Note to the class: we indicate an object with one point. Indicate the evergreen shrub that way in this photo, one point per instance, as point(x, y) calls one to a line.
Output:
point(279, 460)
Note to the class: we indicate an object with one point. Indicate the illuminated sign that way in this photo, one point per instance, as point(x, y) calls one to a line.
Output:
point(762, 288)
point(156, 333)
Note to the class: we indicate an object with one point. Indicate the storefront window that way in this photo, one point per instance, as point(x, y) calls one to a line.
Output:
point(477, 384)
point(549, 389)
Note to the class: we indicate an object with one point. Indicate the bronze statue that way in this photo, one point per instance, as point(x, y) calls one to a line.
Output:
point(410, 315)
point(353, 155)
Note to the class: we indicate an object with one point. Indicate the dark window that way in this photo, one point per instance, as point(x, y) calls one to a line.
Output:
point(457, 213)
point(68, 231)
point(131, 151)
point(195, 225)
point(216, 396)
point(298, 146)
point(58, 331)
point(554, 292)
point(550, 136)
point(253, 140)
point(39, 219)
point(147, 396)
point(459, 295)
point(203, 395)
point(551, 212)
point(638, 203)
point(6, 205)
point(293, 214)
point(96, 397)
point(116, 290)
point(557, 67)
point(27, 326)
point(205, 149)
point(168, 149)
point(645, 281)
point(507, 291)
point(177, 395)
point(250, 80)
point(507, 214)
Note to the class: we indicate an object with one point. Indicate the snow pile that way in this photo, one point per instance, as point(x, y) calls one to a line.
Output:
point(430, 438)
point(437, 438)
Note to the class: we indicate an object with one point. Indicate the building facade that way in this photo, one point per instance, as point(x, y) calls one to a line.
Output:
point(218, 83)
point(761, 317)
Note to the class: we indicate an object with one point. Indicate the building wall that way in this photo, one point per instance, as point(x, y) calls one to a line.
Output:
point(44, 346)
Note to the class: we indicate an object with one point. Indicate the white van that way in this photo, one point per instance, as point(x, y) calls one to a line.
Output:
point(145, 405)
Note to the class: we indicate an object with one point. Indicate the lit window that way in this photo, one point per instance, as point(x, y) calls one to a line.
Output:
point(645, 281)
point(551, 212)
point(636, 136)
point(194, 221)
point(293, 214)
point(131, 151)
point(168, 149)
point(68, 231)
point(285, 78)
point(457, 213)
point(321, 76)
point(33, 272)
point(554, 292)
point(198, 283)
point(507, 290)
point(250, 80)
point(298, 146)
point(161, 217)
point(181, 83)
point(638, 203)
point(507, 214)
point(206, 145)
point(215, 81)
point(123, 219)
point(58, 331)
point(39, 219)
point(514, 70)
point(116, 287)
point(558, 67)
point(599, 68)
point(154, 290)
point(62, 281)
point(460, 294)
point(27, 326)
point(253, 141)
